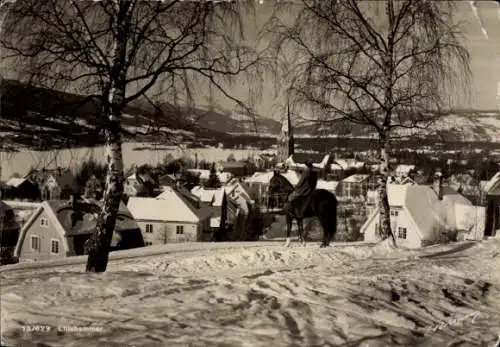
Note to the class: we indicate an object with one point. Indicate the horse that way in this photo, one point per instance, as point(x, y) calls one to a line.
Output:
point(322, 204)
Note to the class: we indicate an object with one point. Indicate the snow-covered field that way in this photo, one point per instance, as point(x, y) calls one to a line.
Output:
point(262, 294)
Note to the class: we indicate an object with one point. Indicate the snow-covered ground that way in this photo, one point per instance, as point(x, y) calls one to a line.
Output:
point(262, 294)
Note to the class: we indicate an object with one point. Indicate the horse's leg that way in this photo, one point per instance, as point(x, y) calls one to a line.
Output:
point(323, 220)
point(300, 227)
point(289, 221)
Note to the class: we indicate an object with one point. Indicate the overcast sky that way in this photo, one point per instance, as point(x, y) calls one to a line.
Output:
point(484, 51)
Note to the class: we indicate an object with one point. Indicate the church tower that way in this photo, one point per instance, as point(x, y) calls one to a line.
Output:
point(286, 145)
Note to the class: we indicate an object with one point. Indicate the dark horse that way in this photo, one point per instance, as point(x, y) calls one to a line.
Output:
point(322, 204)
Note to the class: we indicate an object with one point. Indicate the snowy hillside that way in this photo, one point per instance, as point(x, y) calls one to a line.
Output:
point(261, 294)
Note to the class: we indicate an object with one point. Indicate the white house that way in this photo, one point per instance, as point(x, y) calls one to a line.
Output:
point(355, 187)
point(238, 199)
point(258, 183)
point(423, 215)
point(171, 217)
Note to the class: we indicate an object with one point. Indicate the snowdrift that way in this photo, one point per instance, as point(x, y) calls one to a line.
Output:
point(261, 294)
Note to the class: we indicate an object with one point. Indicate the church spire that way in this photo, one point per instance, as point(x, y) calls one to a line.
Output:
point(286, 143)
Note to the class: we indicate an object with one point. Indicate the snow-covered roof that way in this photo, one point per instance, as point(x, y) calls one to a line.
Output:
point(293, 161)
point(172, 206)
point(327, 185)
point(212, 196)
point(15, 182)
point(215, 222)
point(356, 178)
point(265, 177)
point(346, 164)
point(425, 210)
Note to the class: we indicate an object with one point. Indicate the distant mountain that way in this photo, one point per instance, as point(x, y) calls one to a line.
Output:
point(460, 125)
point(45, 118)
point(40, 117)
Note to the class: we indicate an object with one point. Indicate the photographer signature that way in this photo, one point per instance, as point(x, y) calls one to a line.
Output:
point(442, 325)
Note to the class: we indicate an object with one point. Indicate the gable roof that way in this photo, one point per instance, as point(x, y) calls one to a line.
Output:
point(172, 206)
point(265, 177)
point(345, 164)
point(299, 159)
point(327, 185)
point(356, 178)
point(60, 214)
point(190, 197)
point(15, 182)
point(492, 184)
point(316, 158)
point(145, 177)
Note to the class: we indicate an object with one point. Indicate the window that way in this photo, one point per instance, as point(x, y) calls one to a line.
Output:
point(179, 230)
point(35, 243)
point(148, 243)
point(376, 228)
point(54, 246)
point(149, 228)
point(44, 222)
point(394, 213)
point(401, 233)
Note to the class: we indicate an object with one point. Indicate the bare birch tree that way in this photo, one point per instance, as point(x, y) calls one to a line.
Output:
point(386, 65)
point(119, 51)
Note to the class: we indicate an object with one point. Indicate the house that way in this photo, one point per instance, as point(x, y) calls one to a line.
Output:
point(354, 187)
point(171, 217)
point(341, 168)
point(235, 168)
point(422, 215)
point(237, 203)
point(21, 188)
point(321, 162)
point(258, 184)
point(331, 186)
point(9, 232)
point(59, 185)
point(59, 228)
point(142, 185)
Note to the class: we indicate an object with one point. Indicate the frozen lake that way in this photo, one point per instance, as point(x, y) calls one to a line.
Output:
point(21, 162)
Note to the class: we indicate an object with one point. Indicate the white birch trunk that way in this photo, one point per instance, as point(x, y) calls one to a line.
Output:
point(98, 246)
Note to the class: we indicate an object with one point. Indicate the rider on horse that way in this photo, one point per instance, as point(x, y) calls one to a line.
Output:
point(299, 198)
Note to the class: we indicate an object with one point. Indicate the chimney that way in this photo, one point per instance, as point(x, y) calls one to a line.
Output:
point(438, 184)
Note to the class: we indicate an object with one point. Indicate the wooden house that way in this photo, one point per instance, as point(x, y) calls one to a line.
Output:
point(59, 228)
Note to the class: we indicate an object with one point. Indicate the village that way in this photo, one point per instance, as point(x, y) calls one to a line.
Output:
point(49, 214)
